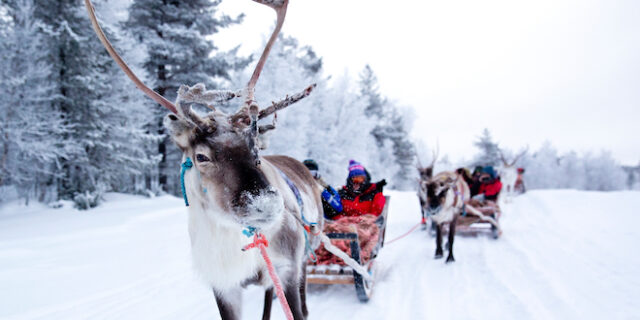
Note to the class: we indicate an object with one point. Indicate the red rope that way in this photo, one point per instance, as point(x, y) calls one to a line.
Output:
point(261, 243)
point(406, 234)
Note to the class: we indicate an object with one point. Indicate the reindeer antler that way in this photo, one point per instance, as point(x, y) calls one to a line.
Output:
point(199, 94)
point(281, 11)
point(519, 156)
point(245, 113)
point(504, 161)
point(249, 113)
point(112, 52)
point(435, 154)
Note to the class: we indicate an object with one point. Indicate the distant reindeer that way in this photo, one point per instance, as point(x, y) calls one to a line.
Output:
point(446, 193)
point(425, 173)
point(509, 174)
point(231, 187)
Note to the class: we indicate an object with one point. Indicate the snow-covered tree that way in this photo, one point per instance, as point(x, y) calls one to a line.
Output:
point(340, 132)
point(488, 154)
point(31, 127)
point(395, 153)
point(176, 35)
point(603, 173)
point(95, 119)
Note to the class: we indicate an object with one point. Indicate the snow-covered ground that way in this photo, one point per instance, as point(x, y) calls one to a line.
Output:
point(564, 254)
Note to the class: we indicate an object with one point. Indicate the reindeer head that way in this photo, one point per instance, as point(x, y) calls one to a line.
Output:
point(224, 152)
point(436, 189)
point(223, 147)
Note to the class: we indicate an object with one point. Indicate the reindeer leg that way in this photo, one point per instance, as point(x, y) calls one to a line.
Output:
point(229, 304)
point(268, 301)
point(292, 293)
point(303, 290)
point(452, 233)
point(438, 241)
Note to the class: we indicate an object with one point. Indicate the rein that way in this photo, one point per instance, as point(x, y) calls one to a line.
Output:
point(260, 242)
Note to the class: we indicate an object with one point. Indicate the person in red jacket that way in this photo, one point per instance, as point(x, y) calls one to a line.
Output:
point(360, 196)
point(490, 187)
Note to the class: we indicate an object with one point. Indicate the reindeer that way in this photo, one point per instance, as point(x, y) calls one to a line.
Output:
point(446, 193)
point(509, 174)
point(425, 174)
point(231, 188)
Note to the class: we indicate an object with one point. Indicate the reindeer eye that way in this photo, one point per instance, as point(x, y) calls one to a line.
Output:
point(202, 158)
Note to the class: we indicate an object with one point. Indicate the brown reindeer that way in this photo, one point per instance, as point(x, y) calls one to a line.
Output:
point(446, 193)
point(231, 187)
point(425, 173)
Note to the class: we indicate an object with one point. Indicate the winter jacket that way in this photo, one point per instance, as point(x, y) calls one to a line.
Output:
point(491, 189)
point(371, 201)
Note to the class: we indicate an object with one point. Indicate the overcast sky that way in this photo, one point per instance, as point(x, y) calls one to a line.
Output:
point(530, 71)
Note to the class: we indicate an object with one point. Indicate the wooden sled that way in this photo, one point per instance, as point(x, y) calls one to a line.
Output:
point(341, 274)
point(470, 224)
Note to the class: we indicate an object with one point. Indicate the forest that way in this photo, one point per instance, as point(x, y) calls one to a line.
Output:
point(73, 127)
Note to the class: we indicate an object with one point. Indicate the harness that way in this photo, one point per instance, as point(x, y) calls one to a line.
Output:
point(306, 225)
point(250, 231)
point(455, 202)
point(186, 165)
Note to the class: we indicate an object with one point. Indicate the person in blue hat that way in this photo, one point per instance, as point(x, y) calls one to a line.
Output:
point(490, 185)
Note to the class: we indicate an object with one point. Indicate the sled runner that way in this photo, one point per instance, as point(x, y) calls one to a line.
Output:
point(340, 273)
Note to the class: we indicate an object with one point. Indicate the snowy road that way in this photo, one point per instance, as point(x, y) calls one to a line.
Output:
point(564, 254)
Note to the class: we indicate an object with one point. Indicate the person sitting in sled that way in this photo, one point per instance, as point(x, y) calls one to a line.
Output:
point(466, 175)
point(331, 203)
point(362, 204)
point(519, 187)
point(359, 196)
point(474, 186)
point(490, 185)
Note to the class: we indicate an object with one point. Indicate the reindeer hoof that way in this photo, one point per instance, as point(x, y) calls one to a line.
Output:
point(438, 255)
point(450, 259)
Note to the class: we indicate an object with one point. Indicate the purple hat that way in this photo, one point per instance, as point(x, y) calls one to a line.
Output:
point(356, 169)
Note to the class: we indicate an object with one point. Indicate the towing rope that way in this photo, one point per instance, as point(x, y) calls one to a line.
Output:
point(406, 234)
point(260, 242)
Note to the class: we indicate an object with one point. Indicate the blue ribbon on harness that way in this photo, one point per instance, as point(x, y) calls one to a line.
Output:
point(296, 192)
point(186, 165)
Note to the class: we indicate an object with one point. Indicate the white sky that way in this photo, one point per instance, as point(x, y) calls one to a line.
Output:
point(530, 71)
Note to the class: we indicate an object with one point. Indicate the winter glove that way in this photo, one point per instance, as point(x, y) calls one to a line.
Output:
point(331, 196)
point(380, 184)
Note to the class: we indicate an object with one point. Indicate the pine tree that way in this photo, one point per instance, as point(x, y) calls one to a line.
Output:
point(175, 34)
point(31, 127)
point(488, 150)
point(103, 148)
point(395, 152)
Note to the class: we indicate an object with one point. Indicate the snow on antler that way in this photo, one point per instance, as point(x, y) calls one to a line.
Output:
point(200, 94)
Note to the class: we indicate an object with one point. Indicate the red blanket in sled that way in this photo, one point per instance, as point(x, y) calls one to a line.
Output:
point(367, 230)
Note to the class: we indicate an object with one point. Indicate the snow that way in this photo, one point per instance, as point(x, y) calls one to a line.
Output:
point(563, 254)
